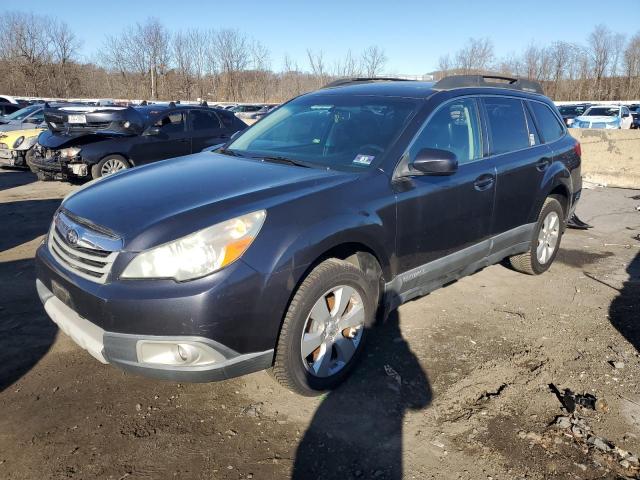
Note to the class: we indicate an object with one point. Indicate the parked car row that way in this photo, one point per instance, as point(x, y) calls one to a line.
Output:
point(585, 115)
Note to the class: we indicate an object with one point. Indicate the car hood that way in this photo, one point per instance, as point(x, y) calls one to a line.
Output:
point(594, 118)
point(10, 137)
point(157, 203)
point(49, 139)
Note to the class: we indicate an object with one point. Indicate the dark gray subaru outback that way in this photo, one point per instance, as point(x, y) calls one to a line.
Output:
point(277, 250)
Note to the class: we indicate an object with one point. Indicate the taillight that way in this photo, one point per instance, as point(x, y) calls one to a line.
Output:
point(578, 149)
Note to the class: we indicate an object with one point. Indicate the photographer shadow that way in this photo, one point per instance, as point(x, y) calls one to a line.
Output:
point(357, 430)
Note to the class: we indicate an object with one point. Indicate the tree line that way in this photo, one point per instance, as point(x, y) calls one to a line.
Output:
point(40, 57)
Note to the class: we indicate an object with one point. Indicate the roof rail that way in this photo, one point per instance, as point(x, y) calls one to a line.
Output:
point(346, 81)
point(496, 81)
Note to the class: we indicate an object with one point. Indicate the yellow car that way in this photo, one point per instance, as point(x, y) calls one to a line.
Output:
point(16, 145)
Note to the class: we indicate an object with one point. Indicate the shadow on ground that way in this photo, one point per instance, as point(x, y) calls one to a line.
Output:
point(624, 311)
point(30, 219)
point(356, 431)
point(11, 178)
point(26, 334)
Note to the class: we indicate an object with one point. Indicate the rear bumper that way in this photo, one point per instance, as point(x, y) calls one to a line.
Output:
point(127, 350)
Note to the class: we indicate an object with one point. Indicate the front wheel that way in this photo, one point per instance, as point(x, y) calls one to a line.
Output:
point(108, 165)
point(324, 329)
point(545, 243)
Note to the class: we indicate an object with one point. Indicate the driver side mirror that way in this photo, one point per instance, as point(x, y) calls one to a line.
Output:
point(433, 161)
point(32, 120)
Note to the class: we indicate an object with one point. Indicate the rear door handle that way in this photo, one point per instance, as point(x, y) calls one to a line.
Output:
point(543, 164)
point(184, 140)
point(484, 182)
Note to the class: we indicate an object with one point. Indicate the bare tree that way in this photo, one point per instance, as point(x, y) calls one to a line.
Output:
point(600, 44)
point(632, 66)
point(318, 68)
point(373, 61)
point(231, 49)
point(476, 56)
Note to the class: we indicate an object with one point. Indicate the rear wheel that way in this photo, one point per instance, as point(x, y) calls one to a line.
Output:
point(325, 328)
point(108, 165)
point(545, 242)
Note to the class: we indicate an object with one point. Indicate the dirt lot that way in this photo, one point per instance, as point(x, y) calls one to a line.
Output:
point(455, 385)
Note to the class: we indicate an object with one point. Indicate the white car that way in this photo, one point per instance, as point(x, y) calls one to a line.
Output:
point(604, 116)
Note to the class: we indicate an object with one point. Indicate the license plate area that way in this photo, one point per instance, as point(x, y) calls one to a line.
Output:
point(77, 119)
point(61, 293)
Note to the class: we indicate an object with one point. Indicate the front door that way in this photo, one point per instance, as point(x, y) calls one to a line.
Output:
point(443, 220)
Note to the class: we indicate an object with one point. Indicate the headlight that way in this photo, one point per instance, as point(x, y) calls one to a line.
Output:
point(69, 152)
point(18, 142)
point(612, 124)
point(570, 121)
point(200, 253)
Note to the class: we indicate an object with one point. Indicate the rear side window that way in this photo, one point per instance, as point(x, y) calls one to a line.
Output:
point(507, 124)
point(549, 125)
point(202, 120)
point(454, 128)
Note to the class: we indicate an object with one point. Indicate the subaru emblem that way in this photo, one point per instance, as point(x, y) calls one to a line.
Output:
point(72, 237)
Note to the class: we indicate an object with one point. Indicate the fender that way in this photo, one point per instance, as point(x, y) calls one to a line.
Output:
point(557, 175)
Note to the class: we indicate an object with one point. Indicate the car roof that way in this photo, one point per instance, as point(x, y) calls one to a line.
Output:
point(397, 87)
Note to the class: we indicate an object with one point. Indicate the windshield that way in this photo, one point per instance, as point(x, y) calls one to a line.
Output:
point(572, 110)
point(23, 113)
point(346, 133)
point(602, 112)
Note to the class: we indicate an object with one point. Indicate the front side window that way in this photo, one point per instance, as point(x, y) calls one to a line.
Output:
point(455, 128)
point(171, 123)
point(550, 127)
point(342, 132)
point(507, 124)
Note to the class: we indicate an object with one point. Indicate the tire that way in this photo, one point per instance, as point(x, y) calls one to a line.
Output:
point(535, 261)
point(102, 168)
point(319, 372)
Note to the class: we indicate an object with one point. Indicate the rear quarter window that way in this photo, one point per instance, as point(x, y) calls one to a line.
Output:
point(550, 127)
point(507, 124)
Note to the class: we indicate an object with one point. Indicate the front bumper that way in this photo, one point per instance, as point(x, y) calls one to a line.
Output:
point(12, 158)
point(127, 350)
point(58, 167)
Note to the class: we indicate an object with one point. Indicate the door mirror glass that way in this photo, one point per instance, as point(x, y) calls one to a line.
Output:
point(434, 161)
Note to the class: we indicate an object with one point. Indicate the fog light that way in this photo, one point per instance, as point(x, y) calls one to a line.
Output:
point(177, 353)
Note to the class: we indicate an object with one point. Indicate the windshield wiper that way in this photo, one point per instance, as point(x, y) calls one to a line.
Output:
point(284, 160)
point(231, 153)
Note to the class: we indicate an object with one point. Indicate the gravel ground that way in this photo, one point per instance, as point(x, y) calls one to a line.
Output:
point(454, 385)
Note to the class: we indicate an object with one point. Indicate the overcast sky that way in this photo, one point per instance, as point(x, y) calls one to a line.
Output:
point(413, 33)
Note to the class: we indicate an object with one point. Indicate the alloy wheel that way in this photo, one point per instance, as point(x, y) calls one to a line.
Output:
point(548, 237)
point(332, 331)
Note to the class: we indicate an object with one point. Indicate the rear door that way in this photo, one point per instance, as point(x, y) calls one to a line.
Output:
point(170, 140)
point(521, 160)
point(206, 129)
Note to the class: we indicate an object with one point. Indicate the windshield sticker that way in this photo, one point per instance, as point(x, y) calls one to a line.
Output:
point(321, 107)
point(363, 159)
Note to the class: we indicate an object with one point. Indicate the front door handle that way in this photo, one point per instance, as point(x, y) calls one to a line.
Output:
point(484, 182)
point(543, 164)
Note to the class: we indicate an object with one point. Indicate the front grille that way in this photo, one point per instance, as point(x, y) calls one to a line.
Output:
point(598, 125)
point(87, 262)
